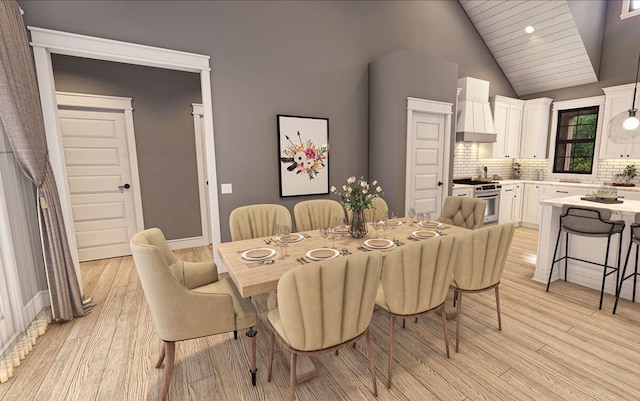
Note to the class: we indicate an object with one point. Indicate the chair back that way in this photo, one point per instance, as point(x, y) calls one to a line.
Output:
point(162, 288)
point(482, 255)
point(416, 277)
point(378, 212)
point(463, 211)
point(589, 222)
point(255, 221)
point(317, 213)
point(326, 303)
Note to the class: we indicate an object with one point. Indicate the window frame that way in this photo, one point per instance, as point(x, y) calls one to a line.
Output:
point(626, 10)
point(570, 105)
point(563, 128)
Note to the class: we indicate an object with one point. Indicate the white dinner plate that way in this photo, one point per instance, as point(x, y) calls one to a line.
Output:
point(293, 237)
point(393, 223)
point(258, 254)
point(430, 224)
point(379, 243)
point(424, 234)
point(322, 254)
point(341, 230)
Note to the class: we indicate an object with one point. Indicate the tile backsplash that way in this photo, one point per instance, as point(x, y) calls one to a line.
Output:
point(467, 164)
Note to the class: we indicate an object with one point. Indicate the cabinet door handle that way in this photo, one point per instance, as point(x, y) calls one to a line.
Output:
point(562, 192)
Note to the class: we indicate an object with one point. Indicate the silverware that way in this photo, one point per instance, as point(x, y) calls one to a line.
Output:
point(362, 248)
point(345, 251)
point(305, 235)
point(397, 242)
point(248, 249)
point(267, 241)
point(262, 262)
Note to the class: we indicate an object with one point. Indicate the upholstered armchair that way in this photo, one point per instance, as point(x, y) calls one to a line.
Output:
point(324, 306)
point(482, 256)
point(188, 300)
point(255, 221)
point(415, 281)
point(463, 211)
point(316, 213)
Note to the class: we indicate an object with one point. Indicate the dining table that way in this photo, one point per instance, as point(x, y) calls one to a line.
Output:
point(255, 265)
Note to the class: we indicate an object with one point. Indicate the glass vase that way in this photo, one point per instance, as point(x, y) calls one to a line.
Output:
point(358, 224)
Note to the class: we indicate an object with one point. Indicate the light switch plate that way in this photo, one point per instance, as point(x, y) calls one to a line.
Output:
point(226, 188)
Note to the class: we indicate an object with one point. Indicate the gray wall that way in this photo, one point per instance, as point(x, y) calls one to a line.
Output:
point(163, 124)
point(620, 48)
point(281, 57)
point(393, 78)
point(589, 16)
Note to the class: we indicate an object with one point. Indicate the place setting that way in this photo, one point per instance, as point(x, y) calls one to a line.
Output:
point(378, 244)
point(319, 254)
point(423, 234)
point(258, 256)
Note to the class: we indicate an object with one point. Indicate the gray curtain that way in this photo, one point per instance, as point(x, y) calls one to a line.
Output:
point(21, 115)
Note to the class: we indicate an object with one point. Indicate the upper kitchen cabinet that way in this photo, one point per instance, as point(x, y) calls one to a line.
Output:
point(617, 100)
point(535, 128)
point(507, 121)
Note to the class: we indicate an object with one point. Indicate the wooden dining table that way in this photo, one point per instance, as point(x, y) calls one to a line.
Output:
point(254, 278)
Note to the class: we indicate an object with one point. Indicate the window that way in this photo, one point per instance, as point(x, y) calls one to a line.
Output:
point(575, 140)
point(630, 8)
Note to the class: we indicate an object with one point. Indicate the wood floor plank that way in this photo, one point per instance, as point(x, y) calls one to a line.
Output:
point(554, 345)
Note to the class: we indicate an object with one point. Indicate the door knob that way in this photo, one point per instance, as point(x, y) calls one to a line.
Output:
point(123, 187)
point(439, 183)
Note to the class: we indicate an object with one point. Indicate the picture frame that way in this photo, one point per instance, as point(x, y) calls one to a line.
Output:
point(303, 155)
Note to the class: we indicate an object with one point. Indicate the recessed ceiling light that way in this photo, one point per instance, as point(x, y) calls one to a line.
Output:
point(529, 29)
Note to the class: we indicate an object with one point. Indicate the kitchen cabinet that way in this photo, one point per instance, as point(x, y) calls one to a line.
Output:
point(510, 203)
point(531, 205)
point(617, 99)
point(535, 128)
point(462, 190)
point(507, 121)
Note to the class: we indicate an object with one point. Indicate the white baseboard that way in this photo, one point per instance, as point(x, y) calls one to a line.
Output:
point(182, 243)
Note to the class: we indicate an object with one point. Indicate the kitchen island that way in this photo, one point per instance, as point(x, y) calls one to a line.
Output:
point(585, 248)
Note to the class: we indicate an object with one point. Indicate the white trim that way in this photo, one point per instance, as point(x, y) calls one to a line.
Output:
point(121, 104)
point(433, 107)
point(45, 42)
point(201, 157)
point(192, 242)
point(626, 13)
point(576, 104)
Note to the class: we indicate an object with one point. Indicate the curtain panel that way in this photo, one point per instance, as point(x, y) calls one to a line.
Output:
point(21, 114)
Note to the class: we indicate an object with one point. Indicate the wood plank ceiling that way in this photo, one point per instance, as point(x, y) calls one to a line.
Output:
point(552, 57)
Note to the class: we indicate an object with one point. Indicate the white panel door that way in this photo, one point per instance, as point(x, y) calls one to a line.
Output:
point(99, 179)
point(426, 162)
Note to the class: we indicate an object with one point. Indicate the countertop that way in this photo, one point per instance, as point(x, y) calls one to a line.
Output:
point(628, 207)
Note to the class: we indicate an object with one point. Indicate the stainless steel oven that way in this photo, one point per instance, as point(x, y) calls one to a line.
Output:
point(490, 193)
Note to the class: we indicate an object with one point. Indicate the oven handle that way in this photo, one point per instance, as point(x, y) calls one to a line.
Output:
point(487, 196)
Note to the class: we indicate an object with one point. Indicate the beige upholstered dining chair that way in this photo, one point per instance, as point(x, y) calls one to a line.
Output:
point(316, 213)
point(463, 211)
point(325, 306)
point(415, 280)
point(255, 221)
point(379, 211)
point(188, 300)
point(482, 255)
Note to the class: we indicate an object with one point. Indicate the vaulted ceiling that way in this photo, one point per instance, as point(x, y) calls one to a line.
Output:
point(553, 56)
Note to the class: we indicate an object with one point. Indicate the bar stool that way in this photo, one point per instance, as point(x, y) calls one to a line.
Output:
point(587, 222)
point(635, 239)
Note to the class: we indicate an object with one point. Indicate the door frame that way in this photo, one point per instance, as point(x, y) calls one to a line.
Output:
point(416, 105)
point(201, 156)
point(46, 41)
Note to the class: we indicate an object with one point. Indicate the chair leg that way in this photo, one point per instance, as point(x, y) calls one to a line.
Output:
point(235, 334)
point(170, 351)
point(372, 364)
point(446, 332)
point(251, 338)
point(566, 256)
point(292, 376)
point(459, 312)
point(498, 308)
point(391, 340)
point(604, 271)
point(272, 339)
point(162, 353)
point(404, 323)
point(553, 261)
point(635, 277)
point(624, 271)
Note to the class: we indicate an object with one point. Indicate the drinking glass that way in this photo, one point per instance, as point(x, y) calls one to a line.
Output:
point(285, 232)
point(376, 226)
point(276, 234)
point(384, 226)
point(412, 216)
point(324, 233)
point(335, 222)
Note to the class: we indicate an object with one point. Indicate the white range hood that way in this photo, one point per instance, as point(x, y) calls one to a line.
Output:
point(474, 122)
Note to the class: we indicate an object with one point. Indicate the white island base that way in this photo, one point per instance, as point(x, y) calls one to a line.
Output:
point(594, 249)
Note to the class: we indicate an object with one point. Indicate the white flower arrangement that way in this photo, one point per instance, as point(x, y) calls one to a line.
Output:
point(358, 193)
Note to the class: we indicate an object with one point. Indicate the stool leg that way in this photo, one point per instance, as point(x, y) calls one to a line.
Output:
point(624, 271)
point(635, 276)
point(604, 271)
point(553, 261)
point(566, 256)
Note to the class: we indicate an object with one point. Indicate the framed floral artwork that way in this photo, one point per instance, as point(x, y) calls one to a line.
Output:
point(303, 143)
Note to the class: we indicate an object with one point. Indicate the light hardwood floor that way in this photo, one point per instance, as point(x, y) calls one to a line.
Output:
point(553, 346)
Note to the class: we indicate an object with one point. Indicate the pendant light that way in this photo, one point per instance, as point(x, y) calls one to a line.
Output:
point(625, 127)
